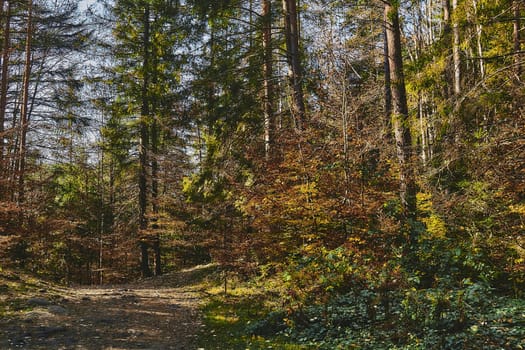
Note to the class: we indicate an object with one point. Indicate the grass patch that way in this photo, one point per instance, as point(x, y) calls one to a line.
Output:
point(227, 322)
point(239, 320)
point(16, 287)
point(251, 316)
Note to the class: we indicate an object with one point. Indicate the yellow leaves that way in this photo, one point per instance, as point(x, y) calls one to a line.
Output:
point(309, 188)
point(424, 202)
point(520, 251)
point(518, 209)
point(436, 227)
point(249, 178)
point(429, 76)
point(356, 240)
point(310, 248)
point(225, 318)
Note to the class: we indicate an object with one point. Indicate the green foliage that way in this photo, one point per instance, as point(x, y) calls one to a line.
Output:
point(468, 318)
point(238, 323)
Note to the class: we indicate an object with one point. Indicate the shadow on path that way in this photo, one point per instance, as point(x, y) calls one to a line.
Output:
point(156, 313)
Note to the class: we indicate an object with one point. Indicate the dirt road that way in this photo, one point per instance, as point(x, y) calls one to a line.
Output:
point(157, 313)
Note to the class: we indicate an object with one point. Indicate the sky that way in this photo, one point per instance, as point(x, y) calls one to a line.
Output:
point(83, 4)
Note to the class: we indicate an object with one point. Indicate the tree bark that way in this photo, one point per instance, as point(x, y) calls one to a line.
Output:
point(430, 10)
point(479, 45)
point(449, 89)
point(455, 49)
point(155, 194)
point(143, 150)
point(388, 87)
point(446, 16)
point(291, 32)
point(24, 108)
point(516, 37)
point(3, 88)
point(400, 120)
point(269, 117)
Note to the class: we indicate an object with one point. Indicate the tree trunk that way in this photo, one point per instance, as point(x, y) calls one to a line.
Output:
point(388, 88)
point(3, 89)
point(446, 16)
point(157, 254)
point(155, 140)
point(455, 49)
point(449, 87)
point(155, 194)
point(291, 32)
point(24, 115)
point(479, 45)
point(422, 128)
point(143, 151)
point(269, 117)
point(516, 37)
point(429, 12)
point(400, 120)
point(102, 218)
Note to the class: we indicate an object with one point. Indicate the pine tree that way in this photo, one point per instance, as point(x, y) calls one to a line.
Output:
point(147, 71)
point(400, 119)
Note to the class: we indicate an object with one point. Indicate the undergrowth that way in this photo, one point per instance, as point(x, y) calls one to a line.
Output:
point(255, 315)
point(246, 317)
point(17, 287)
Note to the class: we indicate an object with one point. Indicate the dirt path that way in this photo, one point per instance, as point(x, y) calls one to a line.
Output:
point(158, 313)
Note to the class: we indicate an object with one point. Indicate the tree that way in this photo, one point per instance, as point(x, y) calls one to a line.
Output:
point(293, 56)
point(400, 119)
point(144, 146)
point(269, 117)
point(5, 11)
point(456, 42)
point(24, 109)
point(146, 76)
point(516, 37)
point(30, 75)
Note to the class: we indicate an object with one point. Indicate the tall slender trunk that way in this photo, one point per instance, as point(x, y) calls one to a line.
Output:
point(11, 159)
point(155, 194)
point(6, 14)
point(155, 140)
point(24, 115)
point(430, 24)
point(143, 148)
point(449, 87)
point(422, 128)
point(516, 24)
point(456, 59)
point(446, 16)
point(102, 218)
point(291, 28)
point(388, 87)
point(269, 117)
point(479, 45)
point(400, 121)
point(487, 122)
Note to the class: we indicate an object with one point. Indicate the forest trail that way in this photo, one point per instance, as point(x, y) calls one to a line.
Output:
point(154, 313)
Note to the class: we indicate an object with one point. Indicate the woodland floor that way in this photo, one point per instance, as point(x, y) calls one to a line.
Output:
point(155, 313)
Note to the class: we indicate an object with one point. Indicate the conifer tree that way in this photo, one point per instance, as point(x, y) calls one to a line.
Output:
point(293, 56)
point(400, 118)
point(148, 36)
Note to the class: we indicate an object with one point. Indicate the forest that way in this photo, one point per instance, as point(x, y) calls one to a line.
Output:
point(358, 165)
